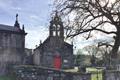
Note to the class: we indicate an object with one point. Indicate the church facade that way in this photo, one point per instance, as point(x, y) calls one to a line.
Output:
point(54, 52)
point(12, 45)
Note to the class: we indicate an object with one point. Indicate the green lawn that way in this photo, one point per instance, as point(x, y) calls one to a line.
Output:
point(7, 78)
point(96, 73)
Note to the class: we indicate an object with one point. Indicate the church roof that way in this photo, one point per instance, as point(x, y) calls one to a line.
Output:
point(10, 28)
point(7, 27)
point(47, 41)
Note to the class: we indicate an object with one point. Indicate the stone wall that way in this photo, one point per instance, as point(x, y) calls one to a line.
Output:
point(37, 57)
point(11, 40)
point(43, 73)
point(11, 50)
point(111, 75)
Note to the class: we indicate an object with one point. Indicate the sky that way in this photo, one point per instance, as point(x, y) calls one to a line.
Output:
point(35, 15)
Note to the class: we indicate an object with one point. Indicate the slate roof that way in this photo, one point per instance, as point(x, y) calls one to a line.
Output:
point(11, 29)
point(47, 40)
point(8, 28)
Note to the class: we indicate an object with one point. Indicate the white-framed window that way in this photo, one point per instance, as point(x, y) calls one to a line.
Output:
point(65, 61)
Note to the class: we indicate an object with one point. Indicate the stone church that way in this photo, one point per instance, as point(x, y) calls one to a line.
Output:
point(12, 45)
point(54, 52)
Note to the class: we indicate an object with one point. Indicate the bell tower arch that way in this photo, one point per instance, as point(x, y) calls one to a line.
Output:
point(56, 26)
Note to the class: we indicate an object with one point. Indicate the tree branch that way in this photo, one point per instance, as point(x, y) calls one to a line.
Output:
point(93, 29)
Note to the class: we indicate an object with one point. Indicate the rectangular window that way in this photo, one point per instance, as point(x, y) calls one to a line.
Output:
point(58, 33)
point(54, 33)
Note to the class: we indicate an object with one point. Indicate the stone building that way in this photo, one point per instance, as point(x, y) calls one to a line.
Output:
point(28, 56)
point(54, 52)
point(12, 45)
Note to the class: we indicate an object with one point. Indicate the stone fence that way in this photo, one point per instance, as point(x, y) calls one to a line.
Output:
point(24, 72)
point(44, 73)
point(111, 75)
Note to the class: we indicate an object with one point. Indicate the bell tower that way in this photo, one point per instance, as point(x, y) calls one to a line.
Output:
point(56, 27)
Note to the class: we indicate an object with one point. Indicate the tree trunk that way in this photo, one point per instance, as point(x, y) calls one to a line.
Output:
point(114, 52)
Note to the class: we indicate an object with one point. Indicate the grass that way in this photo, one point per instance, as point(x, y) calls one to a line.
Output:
point(96, 73)
point(7, 78)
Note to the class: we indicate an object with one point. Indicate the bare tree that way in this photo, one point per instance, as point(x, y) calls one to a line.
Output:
point(100, 52)
point(104, 49)
point(92, 51)
point(93, 15)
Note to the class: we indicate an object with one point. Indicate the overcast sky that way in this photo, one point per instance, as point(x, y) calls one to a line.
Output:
point(34, 14)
